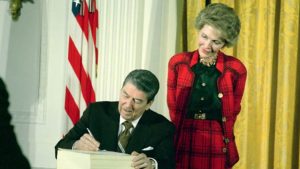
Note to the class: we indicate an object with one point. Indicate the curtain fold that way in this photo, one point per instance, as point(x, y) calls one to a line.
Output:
point(267, 129)
point(187, 10)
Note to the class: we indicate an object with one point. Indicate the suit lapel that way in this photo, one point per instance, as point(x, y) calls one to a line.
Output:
point(139, 136)
point(111, 131)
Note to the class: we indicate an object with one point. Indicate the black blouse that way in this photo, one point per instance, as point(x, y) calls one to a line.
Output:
point(204, 94)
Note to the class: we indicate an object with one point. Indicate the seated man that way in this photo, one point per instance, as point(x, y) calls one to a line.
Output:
point(107, 124)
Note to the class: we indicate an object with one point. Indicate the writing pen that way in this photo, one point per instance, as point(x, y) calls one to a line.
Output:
point(89, 132)
point(92, 136)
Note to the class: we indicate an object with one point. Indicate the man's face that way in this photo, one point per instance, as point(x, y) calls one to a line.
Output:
point(132, 102)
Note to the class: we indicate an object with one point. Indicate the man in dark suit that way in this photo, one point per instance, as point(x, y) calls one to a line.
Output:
point(11, 156)
point(151, 137)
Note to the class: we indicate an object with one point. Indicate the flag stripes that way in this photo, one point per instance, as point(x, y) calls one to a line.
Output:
point(82, 58)
point(71, 107)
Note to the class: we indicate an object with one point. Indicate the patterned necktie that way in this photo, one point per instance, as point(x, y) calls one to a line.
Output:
point(124, 136)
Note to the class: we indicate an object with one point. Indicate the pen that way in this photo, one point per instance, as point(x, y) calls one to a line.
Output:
point(89, 132)
point(92, 136)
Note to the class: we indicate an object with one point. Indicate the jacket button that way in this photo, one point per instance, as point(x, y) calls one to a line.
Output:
point(224, 150)
point(226, 140)
point(224, 119)
point(220, 95)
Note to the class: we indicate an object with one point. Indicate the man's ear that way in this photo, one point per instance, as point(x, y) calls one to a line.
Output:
point(149, 105)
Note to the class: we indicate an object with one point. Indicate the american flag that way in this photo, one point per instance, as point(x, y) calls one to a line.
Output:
point(82, 57)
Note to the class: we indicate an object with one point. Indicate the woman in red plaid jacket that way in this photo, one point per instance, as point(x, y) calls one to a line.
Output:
point(205, 88)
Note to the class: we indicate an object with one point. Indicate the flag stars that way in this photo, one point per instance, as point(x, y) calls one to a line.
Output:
point(77, 2)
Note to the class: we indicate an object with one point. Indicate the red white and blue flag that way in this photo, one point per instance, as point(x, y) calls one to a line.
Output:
point(82, 57)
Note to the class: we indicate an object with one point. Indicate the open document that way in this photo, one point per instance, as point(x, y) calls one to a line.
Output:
point(76, 159)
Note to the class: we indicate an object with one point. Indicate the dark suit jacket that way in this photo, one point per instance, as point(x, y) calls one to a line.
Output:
point(102, 118)
point(11, 156)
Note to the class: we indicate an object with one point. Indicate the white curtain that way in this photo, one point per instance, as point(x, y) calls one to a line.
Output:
point(135, 34)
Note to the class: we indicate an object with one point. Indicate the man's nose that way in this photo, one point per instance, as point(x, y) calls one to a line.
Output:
point(129, 102)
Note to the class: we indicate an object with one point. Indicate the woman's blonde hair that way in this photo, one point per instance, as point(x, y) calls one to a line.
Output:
point(223, 18)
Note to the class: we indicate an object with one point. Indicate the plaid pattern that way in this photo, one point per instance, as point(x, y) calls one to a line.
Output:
point(202, 145)
point(231, 85)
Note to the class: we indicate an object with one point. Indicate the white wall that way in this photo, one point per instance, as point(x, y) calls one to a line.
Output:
point(132, 34)
point(34, 66)
point(4, 34)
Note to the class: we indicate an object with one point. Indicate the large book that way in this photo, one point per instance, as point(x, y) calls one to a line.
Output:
point(77, 159)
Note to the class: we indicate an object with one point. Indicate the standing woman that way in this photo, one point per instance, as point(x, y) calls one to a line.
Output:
point(205, 88)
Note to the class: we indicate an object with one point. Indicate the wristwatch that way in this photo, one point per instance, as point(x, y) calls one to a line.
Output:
point(152, 164)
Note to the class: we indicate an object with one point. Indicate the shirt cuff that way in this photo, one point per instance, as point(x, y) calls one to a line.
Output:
point(73, 146)
point(155, 163)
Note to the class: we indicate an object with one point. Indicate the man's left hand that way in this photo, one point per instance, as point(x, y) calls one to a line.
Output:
point(140, 161)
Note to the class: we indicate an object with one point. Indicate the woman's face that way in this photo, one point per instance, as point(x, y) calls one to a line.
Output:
point(209, 41)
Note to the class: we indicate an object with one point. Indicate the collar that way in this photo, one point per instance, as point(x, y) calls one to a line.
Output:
point(219, 62)
point(134, 122)
point(195, 58)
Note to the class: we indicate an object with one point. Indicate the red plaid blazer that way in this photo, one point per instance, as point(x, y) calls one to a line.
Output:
point(231, 84)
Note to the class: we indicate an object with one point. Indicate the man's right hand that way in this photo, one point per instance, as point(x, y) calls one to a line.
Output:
point(87, 143)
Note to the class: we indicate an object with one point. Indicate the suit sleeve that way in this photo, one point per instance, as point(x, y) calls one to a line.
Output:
point(75, 133)
point(165, 155)
point(238, 92)
point(171, 90)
